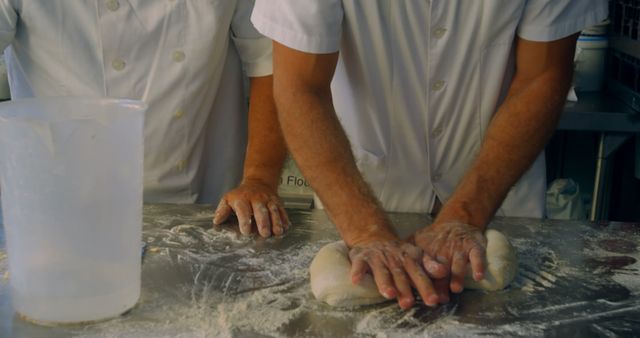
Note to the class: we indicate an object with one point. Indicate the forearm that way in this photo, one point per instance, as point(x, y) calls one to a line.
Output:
point(518, 132)
point(266, 150)
point(322, 151)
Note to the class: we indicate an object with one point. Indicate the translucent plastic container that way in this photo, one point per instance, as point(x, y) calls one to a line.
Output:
point(71, 181)
point(590, 63)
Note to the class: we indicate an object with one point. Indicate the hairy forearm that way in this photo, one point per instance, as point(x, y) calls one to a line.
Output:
point(322, 151)
point(266, 150)
point(518, 132)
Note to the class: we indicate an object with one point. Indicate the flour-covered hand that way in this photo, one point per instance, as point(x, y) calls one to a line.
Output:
point(396, 268)
point(254, 201)
point(455, 245)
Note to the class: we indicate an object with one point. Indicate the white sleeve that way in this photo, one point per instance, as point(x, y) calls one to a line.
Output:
point(548, 20)
point(311, 26)
point(254, 48)
point(8, 19)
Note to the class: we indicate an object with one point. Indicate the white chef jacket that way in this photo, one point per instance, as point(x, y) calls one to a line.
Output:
point(195, 127)
point(418, 81)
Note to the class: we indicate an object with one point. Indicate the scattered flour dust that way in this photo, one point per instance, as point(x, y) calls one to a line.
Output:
point(386, 322)
point(209, 316)
point(380, 323)
point(248, 314)
point(262, 303)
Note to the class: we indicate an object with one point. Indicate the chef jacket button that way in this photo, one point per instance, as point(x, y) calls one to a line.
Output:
point(440, 32)
point(178, 56)
point(180, 165)
point(118, 64)
point(179, 114)
point(438, 85)
point(436, 177)
point(113, 5)
point(437, 132)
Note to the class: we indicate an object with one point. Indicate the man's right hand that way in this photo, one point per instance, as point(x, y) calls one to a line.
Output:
point(321, 149)
point(396, 267)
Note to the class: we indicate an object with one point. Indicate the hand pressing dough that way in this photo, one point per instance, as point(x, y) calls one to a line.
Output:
point(331, 273)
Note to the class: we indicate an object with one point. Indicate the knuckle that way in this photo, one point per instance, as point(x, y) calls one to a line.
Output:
point(398, 271)
point(421, 275)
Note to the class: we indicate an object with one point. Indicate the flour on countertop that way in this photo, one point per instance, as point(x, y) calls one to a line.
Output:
point(201, 281)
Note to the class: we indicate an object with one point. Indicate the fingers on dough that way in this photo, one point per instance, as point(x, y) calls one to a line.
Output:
point(330, 273)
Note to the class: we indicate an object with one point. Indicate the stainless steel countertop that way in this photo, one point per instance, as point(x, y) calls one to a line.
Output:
point(575, 278)
point(601, 112)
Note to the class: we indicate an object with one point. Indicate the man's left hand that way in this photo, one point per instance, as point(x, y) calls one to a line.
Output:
point(453, 245)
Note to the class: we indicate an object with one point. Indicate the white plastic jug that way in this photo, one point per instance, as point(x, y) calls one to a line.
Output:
point(71, 181)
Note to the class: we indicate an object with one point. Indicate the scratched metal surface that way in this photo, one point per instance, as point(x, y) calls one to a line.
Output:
point(574, 279)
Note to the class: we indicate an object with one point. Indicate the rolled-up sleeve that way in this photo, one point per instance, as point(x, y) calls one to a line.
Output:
point(8, 19)
point(253, 47)
point(548, 20)
point(312, 26)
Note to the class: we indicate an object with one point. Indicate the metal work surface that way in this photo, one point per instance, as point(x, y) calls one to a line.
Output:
point(574, 279)
point(599, 112)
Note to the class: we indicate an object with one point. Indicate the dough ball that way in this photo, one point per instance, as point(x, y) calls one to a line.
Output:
point(501, 264)
point(330, 273)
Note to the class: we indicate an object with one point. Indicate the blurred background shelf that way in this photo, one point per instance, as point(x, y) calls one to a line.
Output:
point(594, 145)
